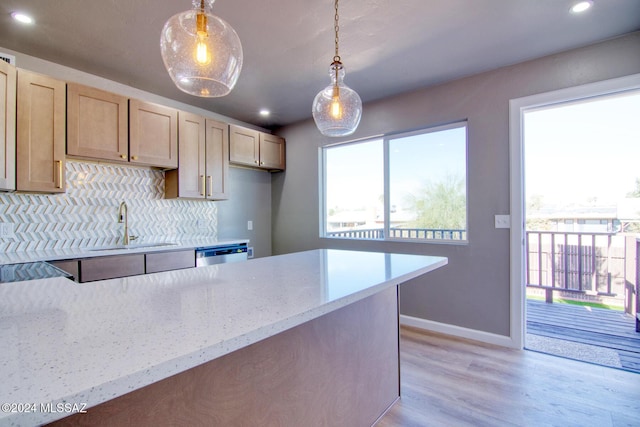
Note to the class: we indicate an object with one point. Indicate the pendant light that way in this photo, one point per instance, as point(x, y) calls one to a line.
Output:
point(201, 52)
point(337, 109)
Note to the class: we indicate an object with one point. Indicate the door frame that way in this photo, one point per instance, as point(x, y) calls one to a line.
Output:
point(517, 108)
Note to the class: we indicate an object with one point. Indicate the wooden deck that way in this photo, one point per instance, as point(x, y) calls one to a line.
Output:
point(609, 329)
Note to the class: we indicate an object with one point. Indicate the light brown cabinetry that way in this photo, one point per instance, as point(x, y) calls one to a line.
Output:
point(106, 126)
point(203, 160)
point(153, 134)
point(244, 146)
point(97, 124)
point(40, 133)
point(7, 126)
point(251, 148)
point(272, 154)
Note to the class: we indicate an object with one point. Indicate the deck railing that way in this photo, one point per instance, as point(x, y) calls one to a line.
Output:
point(587, 263)
point(402, 233)
point(599, 264)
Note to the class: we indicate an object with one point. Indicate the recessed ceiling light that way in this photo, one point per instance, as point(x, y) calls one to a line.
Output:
point(581, 6)
point(21, 17)
point(264, 112)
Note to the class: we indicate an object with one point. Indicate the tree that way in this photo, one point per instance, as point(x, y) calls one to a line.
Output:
point(635, 193)
point(440, 205)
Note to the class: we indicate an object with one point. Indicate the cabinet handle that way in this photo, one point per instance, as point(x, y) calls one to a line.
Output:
point(123, 156)
point(203, 184)
point(255, 161)
point(210, 178)
point(59, 166)
point(262, 163)
point(134, 157)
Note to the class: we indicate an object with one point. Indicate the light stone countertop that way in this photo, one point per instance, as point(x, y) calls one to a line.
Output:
point(64, 342)
point(88, 252)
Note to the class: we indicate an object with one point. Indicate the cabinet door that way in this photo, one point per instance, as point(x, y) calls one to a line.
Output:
point(110, 267)
point(97, 124)
point(168, 261)
point(190, 179)
point(244, 146)
point(7, 126)
point(272, 152)
point(217, 164)
point(40, 133)
point(153, 135)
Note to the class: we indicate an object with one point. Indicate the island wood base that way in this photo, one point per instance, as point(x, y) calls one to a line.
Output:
point(341, 369)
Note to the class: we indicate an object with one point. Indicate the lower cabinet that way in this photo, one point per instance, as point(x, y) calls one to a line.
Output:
point(71, 266)
point(111, 267)
point(167, 261)
point(114, 266)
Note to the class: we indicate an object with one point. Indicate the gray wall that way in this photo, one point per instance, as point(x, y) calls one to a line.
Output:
point(473, 290)
point(249, 200)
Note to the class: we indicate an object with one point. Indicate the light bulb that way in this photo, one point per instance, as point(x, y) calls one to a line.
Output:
point(336, 105)
point(202, 53)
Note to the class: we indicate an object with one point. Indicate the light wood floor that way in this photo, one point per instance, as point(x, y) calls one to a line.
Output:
point(450, 381)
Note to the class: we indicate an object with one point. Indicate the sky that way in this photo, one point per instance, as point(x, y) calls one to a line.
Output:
point(356, 170)
point(583, 150)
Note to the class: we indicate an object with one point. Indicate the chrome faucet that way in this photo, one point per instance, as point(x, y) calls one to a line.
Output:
point(123, 217)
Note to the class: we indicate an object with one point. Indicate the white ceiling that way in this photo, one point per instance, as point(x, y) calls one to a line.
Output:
point(387, 47)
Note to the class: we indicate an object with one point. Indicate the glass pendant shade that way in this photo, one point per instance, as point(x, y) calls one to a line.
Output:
point(337, 109)
point(201, 52)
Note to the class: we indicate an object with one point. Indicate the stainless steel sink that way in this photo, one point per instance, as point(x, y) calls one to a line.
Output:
point(132, 246)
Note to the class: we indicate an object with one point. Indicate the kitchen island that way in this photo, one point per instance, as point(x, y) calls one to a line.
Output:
point(308, 337)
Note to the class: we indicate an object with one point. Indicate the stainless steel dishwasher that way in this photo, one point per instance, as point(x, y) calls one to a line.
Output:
point(211, 255)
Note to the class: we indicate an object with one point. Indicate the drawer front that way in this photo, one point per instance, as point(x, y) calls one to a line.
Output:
point(166, 261)
point(110, 267)
point(70, 266)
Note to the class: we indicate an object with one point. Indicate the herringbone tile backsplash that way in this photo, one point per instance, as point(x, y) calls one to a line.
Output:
point(86, 215)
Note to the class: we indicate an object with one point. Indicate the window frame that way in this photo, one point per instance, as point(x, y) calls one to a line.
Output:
point(386, 138)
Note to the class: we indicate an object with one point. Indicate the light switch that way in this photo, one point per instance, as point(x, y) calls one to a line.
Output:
point(249, 225)
point(503, 221)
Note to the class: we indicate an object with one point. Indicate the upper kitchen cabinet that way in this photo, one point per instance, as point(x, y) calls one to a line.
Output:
point(97, 124)
point(217, 154)
point(153, 135)
point(272, 154)
point(203, 160)
point(40, 133)
point(248, 147)
point(244, 146)
point(7, 126)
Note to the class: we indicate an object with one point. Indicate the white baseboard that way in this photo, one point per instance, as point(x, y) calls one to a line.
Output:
point(457, 331)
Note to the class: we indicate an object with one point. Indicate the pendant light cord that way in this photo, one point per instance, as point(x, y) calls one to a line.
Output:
point(336, 27)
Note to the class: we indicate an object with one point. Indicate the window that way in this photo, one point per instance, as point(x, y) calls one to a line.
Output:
point(409, 186)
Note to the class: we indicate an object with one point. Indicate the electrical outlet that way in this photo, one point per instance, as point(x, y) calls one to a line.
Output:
point(250, 252)
point(249, 225)
point(503, 221)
